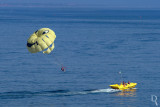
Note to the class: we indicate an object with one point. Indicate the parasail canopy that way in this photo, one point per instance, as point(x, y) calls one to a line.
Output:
point(41, 40)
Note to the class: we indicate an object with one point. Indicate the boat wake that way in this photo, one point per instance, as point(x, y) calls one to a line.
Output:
point(103, 91)
point(93, 91)
point(28, 94)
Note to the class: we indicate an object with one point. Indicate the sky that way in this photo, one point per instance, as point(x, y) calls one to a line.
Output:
point(148, 4)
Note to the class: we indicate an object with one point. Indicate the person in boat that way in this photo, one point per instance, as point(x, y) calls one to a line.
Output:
point(128, 82)
point(123, 83)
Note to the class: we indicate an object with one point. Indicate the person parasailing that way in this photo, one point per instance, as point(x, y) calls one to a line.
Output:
point(63, 69)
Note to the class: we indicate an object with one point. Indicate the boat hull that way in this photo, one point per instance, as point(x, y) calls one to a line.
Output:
point(123, 87)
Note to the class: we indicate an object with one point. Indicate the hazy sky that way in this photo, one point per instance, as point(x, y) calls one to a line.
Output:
point(90, 3)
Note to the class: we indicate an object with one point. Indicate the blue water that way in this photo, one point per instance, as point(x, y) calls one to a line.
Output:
point(93, 44)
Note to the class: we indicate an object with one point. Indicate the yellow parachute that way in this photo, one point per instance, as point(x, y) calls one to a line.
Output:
point(41, 40)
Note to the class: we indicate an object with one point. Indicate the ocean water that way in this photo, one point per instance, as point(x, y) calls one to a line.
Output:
point(93, 44)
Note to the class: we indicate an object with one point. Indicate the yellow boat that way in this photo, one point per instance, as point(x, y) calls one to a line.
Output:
point(123, 86)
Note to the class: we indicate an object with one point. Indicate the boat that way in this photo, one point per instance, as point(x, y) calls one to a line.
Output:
point(123, 86)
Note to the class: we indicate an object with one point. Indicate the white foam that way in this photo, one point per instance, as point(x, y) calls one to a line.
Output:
point(104, 90)
point(109, 90)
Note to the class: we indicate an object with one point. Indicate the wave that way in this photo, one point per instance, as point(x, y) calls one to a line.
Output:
point(28, 94)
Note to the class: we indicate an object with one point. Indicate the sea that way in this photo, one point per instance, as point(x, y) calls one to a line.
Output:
point(97, 46)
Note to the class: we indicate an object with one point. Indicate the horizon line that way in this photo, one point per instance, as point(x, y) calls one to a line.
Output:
point(32, 5)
